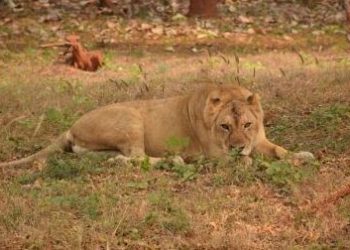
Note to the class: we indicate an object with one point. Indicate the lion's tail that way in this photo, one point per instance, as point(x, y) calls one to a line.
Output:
point(61, 144)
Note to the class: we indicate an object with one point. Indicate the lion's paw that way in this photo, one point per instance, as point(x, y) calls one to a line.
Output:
point(178, 160)
point(120, 160)
point(304, 155)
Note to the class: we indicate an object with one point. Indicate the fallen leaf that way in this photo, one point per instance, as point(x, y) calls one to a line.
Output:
point(159, 30)
point(245, 19)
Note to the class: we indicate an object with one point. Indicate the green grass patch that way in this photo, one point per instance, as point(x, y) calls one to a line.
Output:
point(12, 217)
point(331, 121)
point(279, 173)
point(63, 119)
point(167, 214)
point(88, 205)
point(72, 166)
point(186, 172)
point(328, 118)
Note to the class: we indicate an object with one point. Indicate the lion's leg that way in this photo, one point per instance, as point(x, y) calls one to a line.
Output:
point(133, 149)
point(127, 159)
point(270, 149)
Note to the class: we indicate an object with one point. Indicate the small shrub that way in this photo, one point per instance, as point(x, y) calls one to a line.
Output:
point(63, 119)
point(282, 174)
point(186, 172)
point(61, 169)
point(71, 166)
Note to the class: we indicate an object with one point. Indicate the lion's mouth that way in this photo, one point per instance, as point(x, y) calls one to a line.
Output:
point(243, 150)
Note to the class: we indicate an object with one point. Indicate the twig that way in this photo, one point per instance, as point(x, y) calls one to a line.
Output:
point(226, 60)
point(317, 62)
point(300, 56)
point(333, 197)
point(282, 72)
point(239, 81)
point(41, 119)
point(14, 120)
point(237, 63)
point(49, 45)
point(120, 221)
point(10, 123)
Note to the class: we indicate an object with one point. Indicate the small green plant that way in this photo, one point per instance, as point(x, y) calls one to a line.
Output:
point(146, 164)
point(282, 174)
point(61, 169)
point(279, 173)
point(61, 118)
point(69, 167)
point(109, 60)
point(236, 172)
point(185, 172)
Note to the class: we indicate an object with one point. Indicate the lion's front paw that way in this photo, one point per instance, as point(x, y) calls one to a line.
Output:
point(304, 155)
point(120, 160)
point(178, 160)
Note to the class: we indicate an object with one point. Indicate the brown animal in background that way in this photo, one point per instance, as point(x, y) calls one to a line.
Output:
point(83, 59)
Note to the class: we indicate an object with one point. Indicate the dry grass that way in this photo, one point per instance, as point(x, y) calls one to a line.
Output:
point(85, 202)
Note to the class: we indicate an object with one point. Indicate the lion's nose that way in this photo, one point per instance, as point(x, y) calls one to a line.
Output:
point(240, 149)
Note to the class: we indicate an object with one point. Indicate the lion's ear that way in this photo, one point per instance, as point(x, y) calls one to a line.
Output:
point(254, 99)
point(214, 98)
point(212, 107)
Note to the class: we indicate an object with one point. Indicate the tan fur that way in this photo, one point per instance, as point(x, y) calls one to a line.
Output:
point(212, 119)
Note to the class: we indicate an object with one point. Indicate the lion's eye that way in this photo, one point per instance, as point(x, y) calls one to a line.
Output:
point(247, 125)
point(225, 127)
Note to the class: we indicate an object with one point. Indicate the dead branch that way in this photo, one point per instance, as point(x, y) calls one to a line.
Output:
point(58, 44)
point(333, 197)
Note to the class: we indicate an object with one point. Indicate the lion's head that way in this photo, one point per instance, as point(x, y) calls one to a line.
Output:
point(233, 116)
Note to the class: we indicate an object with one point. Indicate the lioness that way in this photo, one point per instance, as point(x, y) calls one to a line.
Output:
point(213, 119)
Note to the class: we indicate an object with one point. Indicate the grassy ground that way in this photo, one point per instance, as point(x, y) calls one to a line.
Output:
point(86, 202)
